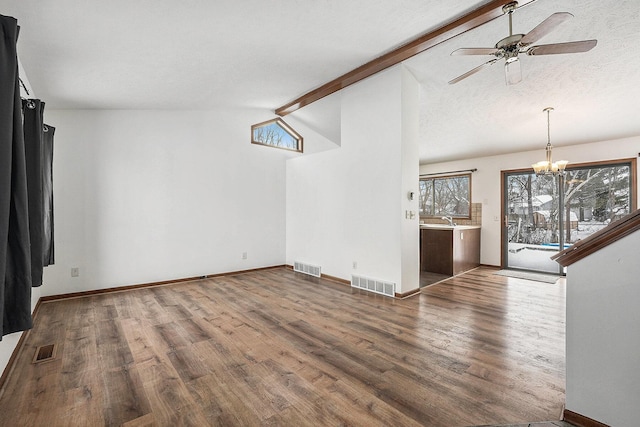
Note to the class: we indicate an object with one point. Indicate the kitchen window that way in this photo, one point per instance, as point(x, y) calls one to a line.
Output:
point(446, 196)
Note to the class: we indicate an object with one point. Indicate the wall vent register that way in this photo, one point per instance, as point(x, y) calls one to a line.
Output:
point(374, 285)
point(311, 270)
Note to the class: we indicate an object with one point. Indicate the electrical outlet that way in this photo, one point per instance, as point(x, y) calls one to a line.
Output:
point(244, 255)
point(75, 272)
point(355, 265)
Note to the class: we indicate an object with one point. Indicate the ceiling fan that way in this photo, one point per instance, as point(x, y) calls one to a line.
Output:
point(511, 46)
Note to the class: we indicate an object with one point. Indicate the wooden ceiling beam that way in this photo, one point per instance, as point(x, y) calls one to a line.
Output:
point(471, 20)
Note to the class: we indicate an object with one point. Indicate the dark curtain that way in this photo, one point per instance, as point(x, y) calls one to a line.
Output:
point(47, 195)
point(15, 252)
point(33, 113)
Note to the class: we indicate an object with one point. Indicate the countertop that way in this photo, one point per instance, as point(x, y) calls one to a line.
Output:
point(447, 227)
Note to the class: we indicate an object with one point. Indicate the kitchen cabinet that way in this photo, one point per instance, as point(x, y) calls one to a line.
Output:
point(449, 250)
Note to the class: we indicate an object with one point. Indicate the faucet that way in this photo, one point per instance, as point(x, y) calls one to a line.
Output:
point(450, 220)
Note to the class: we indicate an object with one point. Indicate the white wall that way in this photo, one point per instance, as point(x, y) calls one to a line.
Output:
point(346, 205)
point(603, 342)
point(144, 196)
point(486, 180)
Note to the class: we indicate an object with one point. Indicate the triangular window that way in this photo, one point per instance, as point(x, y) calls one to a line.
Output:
point(276, 133)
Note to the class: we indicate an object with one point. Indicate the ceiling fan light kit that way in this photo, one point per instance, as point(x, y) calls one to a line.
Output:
point(548, 166)
point(514, 44)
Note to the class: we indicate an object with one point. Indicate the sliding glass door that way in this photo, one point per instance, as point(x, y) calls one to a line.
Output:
point(532, 222)
point(545, 214)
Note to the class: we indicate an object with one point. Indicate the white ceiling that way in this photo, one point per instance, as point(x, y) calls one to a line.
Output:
point(198, 54)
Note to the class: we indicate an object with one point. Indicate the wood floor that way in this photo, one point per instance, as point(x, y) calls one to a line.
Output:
point(427, 278)
point(277, 348)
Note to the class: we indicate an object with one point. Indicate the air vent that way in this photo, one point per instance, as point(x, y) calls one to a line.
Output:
point(374, 285)
point(45, 353)
point(311, 270)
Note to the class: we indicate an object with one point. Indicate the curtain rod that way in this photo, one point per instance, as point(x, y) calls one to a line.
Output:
point(449, 173)
point(24, 86)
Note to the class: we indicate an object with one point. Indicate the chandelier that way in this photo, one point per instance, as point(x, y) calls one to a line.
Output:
point(549, 167)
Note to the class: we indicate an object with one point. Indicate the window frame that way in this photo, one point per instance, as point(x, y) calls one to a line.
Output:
point(445, 177)
point(288, 129)
point(631, 162)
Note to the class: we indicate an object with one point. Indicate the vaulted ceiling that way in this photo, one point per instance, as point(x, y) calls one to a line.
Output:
point(164, 54)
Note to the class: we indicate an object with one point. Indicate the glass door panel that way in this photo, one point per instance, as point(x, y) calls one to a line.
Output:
point(594, 197)
point(533, 229)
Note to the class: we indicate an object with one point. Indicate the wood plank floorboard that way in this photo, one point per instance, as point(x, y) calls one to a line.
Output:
point(274, 347)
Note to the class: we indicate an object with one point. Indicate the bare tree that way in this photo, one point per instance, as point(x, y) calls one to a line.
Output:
point(269, 135)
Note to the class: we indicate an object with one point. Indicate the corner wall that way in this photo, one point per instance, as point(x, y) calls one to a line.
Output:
point(410, 169)
point(345, 206)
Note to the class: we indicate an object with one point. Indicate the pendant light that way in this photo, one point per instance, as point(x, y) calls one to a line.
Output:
point(548, 166)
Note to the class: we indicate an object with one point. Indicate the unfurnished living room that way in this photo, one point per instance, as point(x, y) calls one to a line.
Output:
point(319, 213)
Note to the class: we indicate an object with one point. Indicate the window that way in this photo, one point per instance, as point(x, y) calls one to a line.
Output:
point(599, 192)
point(446, 196)
point(276, 133)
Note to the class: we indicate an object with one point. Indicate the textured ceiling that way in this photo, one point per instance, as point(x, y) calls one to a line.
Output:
point(164, 54)
point(596, 94)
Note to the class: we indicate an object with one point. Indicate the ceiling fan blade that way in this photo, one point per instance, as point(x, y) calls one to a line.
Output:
point(475, 51)
point(512, 72)
point(568, 47)
point(473, 71)
point(545, 27)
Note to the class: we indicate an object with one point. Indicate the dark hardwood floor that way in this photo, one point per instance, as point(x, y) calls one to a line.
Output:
point(427, 278)
point(277, 348)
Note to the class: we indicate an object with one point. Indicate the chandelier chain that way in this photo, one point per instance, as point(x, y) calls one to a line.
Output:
point(548, 110)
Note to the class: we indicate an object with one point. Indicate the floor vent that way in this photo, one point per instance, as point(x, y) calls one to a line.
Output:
point(312, 270)
point(374, 285)
point(45, 353)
